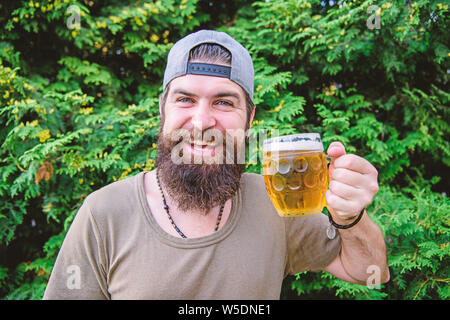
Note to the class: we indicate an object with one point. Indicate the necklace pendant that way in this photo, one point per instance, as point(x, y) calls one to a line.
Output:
point(331, 232)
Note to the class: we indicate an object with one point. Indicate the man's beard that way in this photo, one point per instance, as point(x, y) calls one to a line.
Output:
point(197, 187)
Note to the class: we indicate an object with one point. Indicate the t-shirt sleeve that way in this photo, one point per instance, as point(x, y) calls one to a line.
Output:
point(308, 246)
point(80, 268)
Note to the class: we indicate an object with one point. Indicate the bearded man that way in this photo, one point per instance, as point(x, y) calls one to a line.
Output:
point(198, 226)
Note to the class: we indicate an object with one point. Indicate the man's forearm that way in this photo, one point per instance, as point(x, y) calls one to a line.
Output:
point(363, 246)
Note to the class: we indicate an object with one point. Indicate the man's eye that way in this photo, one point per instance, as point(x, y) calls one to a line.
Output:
point(224, 103)
point(184, 100)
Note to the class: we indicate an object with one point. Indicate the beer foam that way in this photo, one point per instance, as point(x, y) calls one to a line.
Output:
point(301, 141)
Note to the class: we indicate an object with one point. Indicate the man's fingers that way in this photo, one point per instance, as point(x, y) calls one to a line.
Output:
point(345, 207)
point(343, 190)
point(349, 177)
point(355, 163)
point(353, 182)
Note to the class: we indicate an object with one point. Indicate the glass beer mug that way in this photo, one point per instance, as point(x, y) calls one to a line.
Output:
point(295, 171)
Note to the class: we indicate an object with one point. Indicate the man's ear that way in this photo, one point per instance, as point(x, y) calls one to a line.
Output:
point(160, 105)
point(252, 115)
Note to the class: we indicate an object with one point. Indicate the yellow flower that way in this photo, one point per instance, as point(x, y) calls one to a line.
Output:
point(123, 113)
point(387, 5)
point(33, 123)
point(342, 32)
point(101, 25)
point(86, 111)
point(154, 38)
point(149, 165)
point(44, 135)
point(125, 173)
point(330, 90)
point(140, 131)
point(47, 207)
point(278, 108)
point(258, 88)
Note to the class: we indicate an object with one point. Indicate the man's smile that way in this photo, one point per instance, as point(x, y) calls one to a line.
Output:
point(201, 147)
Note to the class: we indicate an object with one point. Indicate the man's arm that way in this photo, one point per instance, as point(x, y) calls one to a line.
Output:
point(353, 184)
point(363, 251)
point(79, 271)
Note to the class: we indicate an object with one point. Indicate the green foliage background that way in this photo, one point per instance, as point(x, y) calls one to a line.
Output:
point(79, 110)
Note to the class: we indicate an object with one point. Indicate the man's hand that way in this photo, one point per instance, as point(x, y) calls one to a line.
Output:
point(353, 183)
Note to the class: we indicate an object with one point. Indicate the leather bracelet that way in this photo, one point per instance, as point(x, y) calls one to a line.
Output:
point(339, 226)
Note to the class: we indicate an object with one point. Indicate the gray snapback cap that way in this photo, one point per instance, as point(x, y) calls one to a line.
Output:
point(241, 70)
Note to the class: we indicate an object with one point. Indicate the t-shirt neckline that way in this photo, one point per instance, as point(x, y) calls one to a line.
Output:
point(187, 243)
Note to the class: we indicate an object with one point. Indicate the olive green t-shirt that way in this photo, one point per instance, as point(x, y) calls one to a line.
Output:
point(115, 249)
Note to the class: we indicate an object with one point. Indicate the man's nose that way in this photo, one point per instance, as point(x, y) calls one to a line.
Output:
point(203, 117)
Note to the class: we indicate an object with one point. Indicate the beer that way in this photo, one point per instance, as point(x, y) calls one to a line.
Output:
point(295, 172)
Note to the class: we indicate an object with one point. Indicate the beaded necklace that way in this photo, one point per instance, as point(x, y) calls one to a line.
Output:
point(166, 208)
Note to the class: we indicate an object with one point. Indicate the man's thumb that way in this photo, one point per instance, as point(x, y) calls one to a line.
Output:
point(336, 149)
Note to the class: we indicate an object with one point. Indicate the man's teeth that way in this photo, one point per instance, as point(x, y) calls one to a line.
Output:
point(202, 143)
